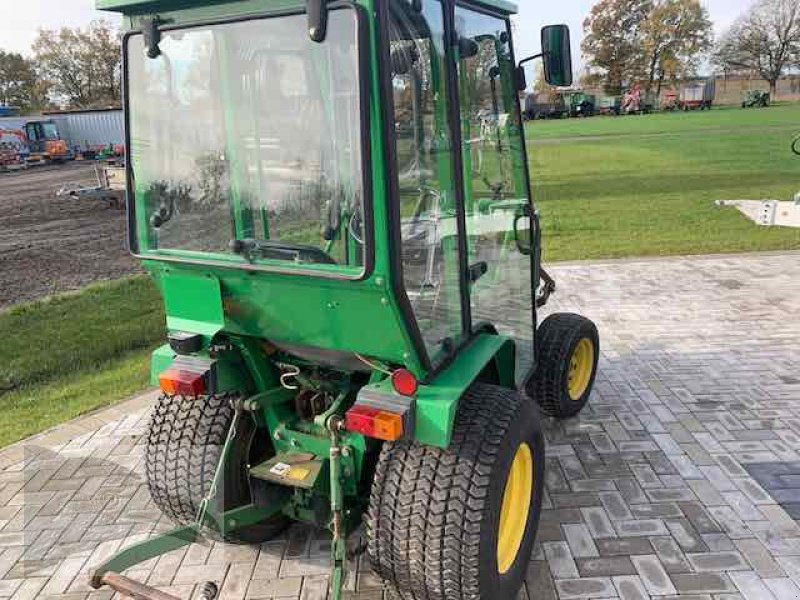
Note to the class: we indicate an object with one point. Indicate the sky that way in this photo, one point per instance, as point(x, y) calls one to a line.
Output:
point(19, 25)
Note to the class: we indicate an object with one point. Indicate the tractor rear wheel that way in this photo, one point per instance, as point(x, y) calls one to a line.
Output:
point(184, 444)
point(568, 349)
point(459, 523)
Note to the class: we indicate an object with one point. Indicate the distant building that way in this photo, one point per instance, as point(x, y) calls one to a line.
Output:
point(81, 129)
point(8, 111)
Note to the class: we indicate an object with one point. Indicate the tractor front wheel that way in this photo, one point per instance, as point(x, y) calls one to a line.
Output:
point(184, 444)
point(568, 349)
point(459, 523)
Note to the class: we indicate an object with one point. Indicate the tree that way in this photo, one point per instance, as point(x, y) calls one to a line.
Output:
point(540, 85)
point(612, 44)
point(645, 40)
point(675, 35)
point(765, 40)
point(83, 64)
point(18, 84)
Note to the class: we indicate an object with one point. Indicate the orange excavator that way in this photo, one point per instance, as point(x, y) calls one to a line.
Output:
point(45, 142)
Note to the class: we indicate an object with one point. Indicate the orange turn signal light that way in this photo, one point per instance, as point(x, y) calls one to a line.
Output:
point(184, 383)
point(374, 423)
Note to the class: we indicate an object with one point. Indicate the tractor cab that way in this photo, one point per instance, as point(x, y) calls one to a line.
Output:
point(334, 200)
point(348, 181)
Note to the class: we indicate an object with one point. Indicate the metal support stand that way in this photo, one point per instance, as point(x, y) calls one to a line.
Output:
point(339, 545)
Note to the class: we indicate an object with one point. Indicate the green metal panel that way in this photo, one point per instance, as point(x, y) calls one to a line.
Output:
point(193, 303)
point(304, 311)
point(437, 403)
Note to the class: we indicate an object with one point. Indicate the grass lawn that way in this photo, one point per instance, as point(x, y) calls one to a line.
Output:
point(64, 356)
point(637, 186)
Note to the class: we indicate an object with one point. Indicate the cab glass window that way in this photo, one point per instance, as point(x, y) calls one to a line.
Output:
point(496, 201)
point(428, 203)
point(246, 143)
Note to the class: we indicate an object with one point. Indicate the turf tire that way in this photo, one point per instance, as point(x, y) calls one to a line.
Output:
point(184, 443)
point(556, 341)
point(434, 515)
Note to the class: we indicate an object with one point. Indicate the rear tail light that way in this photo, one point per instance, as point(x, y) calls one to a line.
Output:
point(374, 423)
point(182, 383)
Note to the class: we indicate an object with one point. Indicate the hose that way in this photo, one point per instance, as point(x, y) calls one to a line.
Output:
point(796, 145)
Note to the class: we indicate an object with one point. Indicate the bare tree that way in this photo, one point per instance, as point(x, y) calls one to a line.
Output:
point(764, 41)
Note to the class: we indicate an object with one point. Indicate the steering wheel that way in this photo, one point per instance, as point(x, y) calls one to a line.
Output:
point(356, 223)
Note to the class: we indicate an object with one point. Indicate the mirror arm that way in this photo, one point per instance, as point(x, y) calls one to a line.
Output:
point(152, 36)
point(530, 58)
point(317, 20)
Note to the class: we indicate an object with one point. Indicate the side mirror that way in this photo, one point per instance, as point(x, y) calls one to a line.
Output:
point(557, 54)
point(523, 230)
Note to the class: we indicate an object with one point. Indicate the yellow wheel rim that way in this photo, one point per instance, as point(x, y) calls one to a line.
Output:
point(516, 508)
point(580, 369)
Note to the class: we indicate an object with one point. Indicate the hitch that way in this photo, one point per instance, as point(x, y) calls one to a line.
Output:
point(109, 572)
point(130, 588)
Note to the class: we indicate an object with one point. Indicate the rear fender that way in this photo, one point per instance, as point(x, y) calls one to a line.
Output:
point(436, 403)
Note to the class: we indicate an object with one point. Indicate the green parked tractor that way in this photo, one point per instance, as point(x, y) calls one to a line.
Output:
point(334, 200)
point(756, 99)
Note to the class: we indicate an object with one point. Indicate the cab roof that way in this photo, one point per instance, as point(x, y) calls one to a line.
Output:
point(139, 6)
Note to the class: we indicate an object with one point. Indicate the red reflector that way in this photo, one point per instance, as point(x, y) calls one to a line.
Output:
point(185, 383)
point(404, 382)
point(374, 423)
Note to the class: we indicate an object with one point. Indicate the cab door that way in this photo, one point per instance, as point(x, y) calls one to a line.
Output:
point(432, 240)
point(497, 201)
point(35, 136)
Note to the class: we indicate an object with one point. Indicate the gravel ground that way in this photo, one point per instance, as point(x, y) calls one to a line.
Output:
point(50, 245)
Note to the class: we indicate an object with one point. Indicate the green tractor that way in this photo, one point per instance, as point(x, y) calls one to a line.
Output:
point(756, 99)
point(581, 104)
point(334, 200)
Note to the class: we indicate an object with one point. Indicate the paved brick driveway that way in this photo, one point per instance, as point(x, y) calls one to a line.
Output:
point(683, 479)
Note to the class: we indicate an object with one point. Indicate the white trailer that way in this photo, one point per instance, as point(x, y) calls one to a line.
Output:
point(700, 95)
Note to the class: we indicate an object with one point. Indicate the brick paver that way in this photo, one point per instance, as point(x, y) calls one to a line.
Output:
point(680, 480)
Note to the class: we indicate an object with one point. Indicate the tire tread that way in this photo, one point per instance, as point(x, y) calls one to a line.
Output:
point(425, 516)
